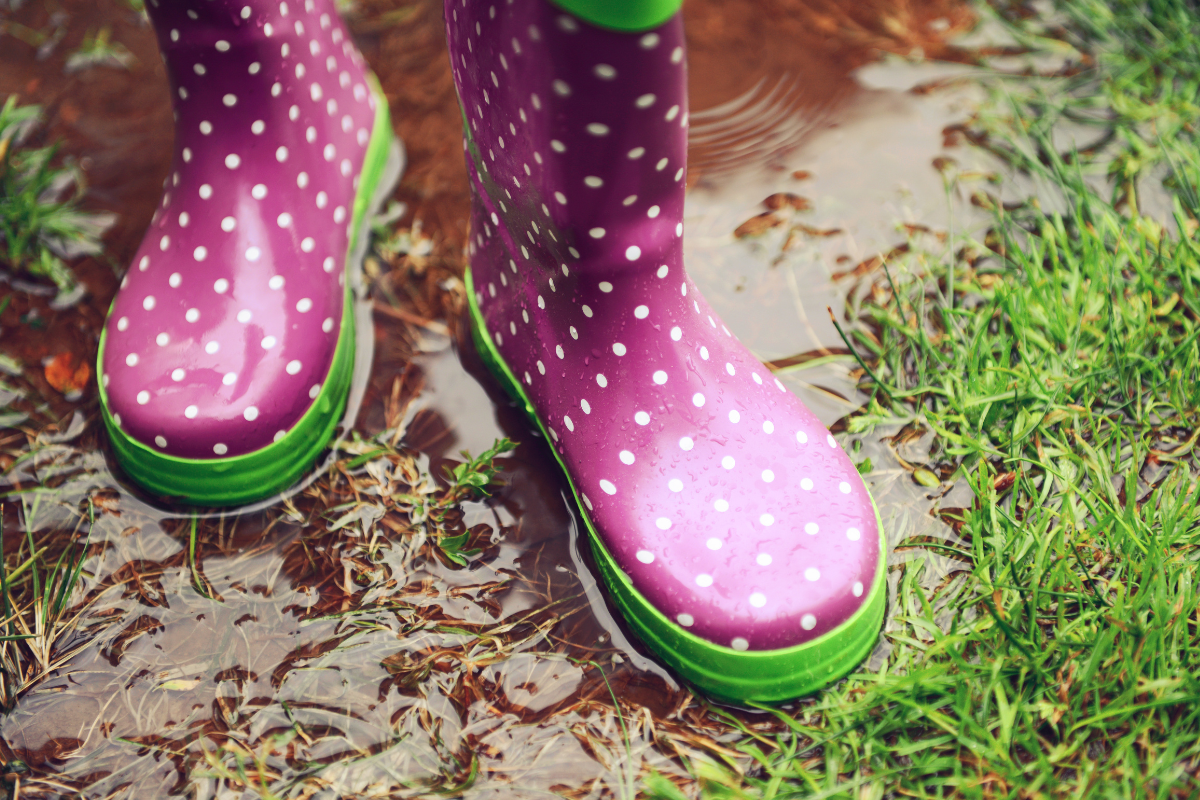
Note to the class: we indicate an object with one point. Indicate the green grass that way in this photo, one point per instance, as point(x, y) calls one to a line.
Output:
point(41, 222)
point(1057, 363)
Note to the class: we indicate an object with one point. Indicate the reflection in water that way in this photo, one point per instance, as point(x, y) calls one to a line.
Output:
point(322, 646)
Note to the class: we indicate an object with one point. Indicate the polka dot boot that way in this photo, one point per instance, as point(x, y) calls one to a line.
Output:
point(226, 358)
point(733, 533)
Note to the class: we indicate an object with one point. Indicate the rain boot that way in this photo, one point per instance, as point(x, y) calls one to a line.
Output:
point(731, 530)
point(226, 358)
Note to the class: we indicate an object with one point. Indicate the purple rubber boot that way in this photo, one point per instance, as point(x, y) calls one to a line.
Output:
point(732, 531)
point(226, 358)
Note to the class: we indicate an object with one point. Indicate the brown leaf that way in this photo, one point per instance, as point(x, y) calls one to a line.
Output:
point(67, 376)
point(758, 225)
point(785, 199)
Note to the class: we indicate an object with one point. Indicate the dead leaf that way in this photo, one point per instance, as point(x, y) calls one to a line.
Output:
point(67, 376)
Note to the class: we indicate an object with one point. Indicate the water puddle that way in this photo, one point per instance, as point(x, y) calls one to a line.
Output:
point(324, 647)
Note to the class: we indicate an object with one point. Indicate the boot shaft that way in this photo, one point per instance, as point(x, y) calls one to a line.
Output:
point(579, 134)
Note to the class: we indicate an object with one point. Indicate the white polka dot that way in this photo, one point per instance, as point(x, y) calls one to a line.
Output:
point(686, 620)
point(844, 487)
point(812, 574)
point(660, 377)
point(633, 252)
point(560, 197)
point(570, 425)
point(281, 155)
point(268, 342)
point(228, 224)
point(649, 41)
point(212, 347)
point(679, 229)
point(251, 413)
point(586, 406)
point(767, 520)
point(704, 353)
point(143, 397)
point(593, 181)
point(605, 71)
point(229, 378)
point(675, 485)
point(148, 303)
point(857, 589)
point(603, 381)
point(721, 505)
point(561, 88)
point(645, 101)
point(662, 162)
point(257, 127)
point(853, 534)
point(221, 286)
point(220, 449)
point(541, 367)
point(626, 457)
point(806, 484)
point(768, 475)
point(763, 560)
point(641, 418)
point(676, 333)
point(704, 580)
point(587, 312)
point(653, 212)
point(597, 129)
point(698, 400)
point(734, 416)
point(191, 411)
point(811, 528)
point(663, 523)
point(608, 487)
point(645, 556)
point(279, 436)
point(829, 440)
point(686, 443)
point(206, 127)
point(801, 437)
point(714, 543)
point(164, 243)
point(558, 351)
point(253, 253)
point(160, 441)
point(662, 271)
point(233, 161)
point(740, 644)
point(259, 191)
point(758, 599)
point(729, 368)
point(276, 282)
point(284, 219)
point(558, 147)
point(727, 462)
point(200, 253)
point(162, 340)
point(177, 374)
point(122, 323)
point(131, 360)
point(677, 55)
point(618, 348)
point(327, 325)
point(808, 622)
point(192, 314)
point(314, 391)
point(304, 305)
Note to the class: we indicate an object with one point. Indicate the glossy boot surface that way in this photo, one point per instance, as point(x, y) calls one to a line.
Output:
point(226, 358)
point(733, 532)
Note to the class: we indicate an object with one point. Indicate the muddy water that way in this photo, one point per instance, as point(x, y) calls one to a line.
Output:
point(321, 647)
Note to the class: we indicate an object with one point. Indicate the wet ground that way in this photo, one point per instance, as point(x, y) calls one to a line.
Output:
point(323, 647)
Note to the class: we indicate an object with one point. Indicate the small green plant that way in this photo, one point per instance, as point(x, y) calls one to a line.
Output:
point(469, 480)
point(38, 228)
point(96, 50)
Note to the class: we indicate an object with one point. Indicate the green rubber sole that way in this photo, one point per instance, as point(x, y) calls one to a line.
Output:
point(751, 676)
point(270, 470)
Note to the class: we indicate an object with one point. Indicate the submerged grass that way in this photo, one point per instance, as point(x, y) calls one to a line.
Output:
point(1057, 364)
